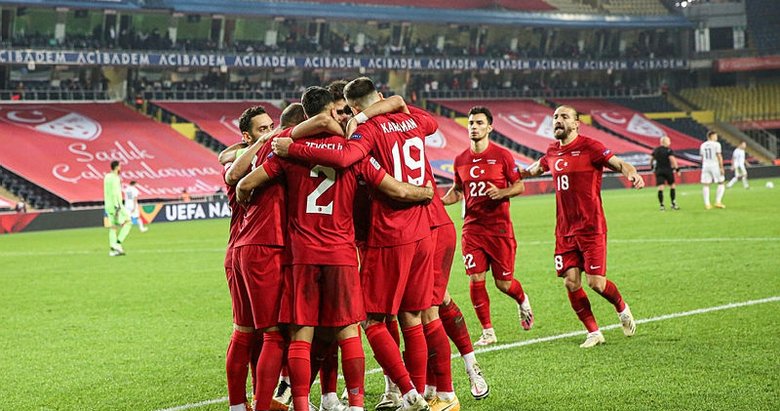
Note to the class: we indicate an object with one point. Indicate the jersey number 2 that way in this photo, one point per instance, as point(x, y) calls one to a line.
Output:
point(311, 199)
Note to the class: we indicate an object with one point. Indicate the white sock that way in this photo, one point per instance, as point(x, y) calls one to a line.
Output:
point(731, 183)
point(745, 182)
point(430, 391)
point(469, 359)
point(446, 396)
point(238, 407)
point(706, 192)
point(597, 332)
point(354, 408)
point(719, 193)
point(329, 398)
point(410, 396)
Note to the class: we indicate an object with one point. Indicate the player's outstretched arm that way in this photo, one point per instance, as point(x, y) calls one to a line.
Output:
point(405, 192)
point(321, 123)
point(627, 170)
point(454, 194)
point(350, 154)
point(257, 178)
point(228, 155)
point(534, 170)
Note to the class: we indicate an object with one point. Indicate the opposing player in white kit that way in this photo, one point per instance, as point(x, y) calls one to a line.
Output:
point(738, 164)
point(132, 206)
point(712, 170)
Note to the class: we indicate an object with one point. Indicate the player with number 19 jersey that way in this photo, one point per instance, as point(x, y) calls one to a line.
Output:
point(474, 173)
point(577, 169)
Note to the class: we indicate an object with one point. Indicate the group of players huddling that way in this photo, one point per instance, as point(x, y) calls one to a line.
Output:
point(336, 223)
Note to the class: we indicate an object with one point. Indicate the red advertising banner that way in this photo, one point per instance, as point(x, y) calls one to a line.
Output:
point(68, 148)
point(729, 65)
point(219, 120)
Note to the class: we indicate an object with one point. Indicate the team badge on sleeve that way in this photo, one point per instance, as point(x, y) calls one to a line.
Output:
point(375, 163)
point(606, 152)
point(355, 136)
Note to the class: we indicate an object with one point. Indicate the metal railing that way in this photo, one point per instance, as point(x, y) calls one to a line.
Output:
point(593, 92)
point(220, 95)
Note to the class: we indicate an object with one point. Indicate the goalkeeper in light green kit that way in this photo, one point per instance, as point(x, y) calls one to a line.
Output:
point(117, 216)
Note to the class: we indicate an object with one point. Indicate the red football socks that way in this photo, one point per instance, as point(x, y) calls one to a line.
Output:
point(353, 364)
point(236, 362)
point(269, 365)
point(516, 291)
point(392, 328)
point(455, 326)
point(415, 354)
point(481, 302)
point(439, 352)
point(581, 305)
point(257, 347)
point(329, 373)
point(388, 356)
point(612, 295)
point(300, 372)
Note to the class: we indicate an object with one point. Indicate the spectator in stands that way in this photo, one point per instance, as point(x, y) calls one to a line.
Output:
point(738, 164)
point(185, 196)
point(21, 207)
point(664, 164)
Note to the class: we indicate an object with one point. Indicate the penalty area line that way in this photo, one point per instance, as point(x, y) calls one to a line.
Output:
point(542, 339)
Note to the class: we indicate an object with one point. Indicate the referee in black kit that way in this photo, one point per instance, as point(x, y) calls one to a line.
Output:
point(665, 166)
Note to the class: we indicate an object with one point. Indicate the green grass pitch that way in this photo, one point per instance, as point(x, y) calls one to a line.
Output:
point(82, 331)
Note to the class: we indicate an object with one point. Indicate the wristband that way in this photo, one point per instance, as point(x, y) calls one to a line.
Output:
point(361, 118)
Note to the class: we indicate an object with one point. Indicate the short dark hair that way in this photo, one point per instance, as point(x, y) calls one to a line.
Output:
point(132, 183)
point(482, 110)
point(292, 115)
point(114, 165)
point(359, 88)
point(245, 121)
point(711, 132)
point(336, 89)
point(315, 99)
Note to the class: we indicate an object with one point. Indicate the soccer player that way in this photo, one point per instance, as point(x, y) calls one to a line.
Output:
point(117, 216)
point(665, 166)
point(487, 177)
point(258, 251)
point(132, 207)
point(738, 165)
point(576, 163)
point(712, 170)
point(397, 275)
point(324, 262)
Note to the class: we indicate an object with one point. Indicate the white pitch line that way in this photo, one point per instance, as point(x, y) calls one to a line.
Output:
point(543, 339)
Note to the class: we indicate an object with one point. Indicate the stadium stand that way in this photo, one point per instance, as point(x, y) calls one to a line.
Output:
point(6, 204)
point(525, 5)
point(763, 25)
point(65, 149)
point(734, 103)
point(646, 104)
point(634, 7)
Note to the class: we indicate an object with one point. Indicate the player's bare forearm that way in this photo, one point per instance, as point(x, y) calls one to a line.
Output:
point(350, 154)
point(517, 188)
point(454, 194)
point(405, 192)
point(628, 171)
point(257, 178)
point(242, 164)
point(228, 155)
point(534, 170)
point(391, 104)
point(321, 123)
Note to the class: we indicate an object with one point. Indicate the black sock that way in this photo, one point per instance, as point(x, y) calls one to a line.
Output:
point(672, 193)
point(661, 197)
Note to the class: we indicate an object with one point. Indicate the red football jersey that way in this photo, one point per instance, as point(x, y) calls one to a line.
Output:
point(473, 172)
point(577, 169)
point(266, 217)
point(397, 141)
point(236, 216)
point(320, 204)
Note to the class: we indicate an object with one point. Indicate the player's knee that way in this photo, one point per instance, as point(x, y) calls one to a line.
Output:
point(503, 285)
point(596, 284)
point(477, 277)
point(372, 319)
